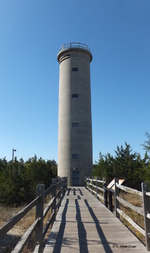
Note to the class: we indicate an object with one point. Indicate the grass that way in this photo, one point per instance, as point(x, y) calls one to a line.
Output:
point(137, 218)
point(8, 242)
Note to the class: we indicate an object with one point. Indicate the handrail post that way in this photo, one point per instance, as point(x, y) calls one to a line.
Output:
point(110, 200)
point(105, 192)
point(65, 184)
point(116, 202)
point(88, 183)
point(59, 185)
point(96, 188)
point(60, 192)
point(146, 208)
point(54, 202)
point(65, 181)
point(92, 186)
point(85, 182)
point(61, 189)
point(39, 214)
point(104, 180)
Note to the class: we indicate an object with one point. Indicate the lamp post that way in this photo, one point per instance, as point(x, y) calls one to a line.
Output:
point(13, 150)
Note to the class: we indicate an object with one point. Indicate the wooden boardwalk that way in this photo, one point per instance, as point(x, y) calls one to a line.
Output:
point(83, 224)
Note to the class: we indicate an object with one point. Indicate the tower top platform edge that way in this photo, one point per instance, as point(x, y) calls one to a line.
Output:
point(74, 46)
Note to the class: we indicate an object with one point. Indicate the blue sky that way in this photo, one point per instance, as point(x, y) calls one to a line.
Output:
point(31, 33)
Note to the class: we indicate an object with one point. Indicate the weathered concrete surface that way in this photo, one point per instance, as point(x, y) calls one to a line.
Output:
point(85, 225)
point(74, 143)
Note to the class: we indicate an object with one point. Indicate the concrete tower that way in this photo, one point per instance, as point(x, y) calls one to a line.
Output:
point(75, 127)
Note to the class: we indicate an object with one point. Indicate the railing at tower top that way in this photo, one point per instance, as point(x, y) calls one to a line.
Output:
point(74, 45)
point(119, 205)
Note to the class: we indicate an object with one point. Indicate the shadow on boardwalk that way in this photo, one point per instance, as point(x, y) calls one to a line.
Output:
point(59, 238)
point(81, 230)
point(84, 225)
point(99, 229)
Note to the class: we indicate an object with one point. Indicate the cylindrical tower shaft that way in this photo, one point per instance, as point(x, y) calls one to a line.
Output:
point(75, 127)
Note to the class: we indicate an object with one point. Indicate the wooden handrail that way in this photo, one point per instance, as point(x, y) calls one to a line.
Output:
point(14, 220)
point(49, 222)
point(129, 190)
point(127, 218)
point(145, 194)
point(25, 238)
point(48, 191)
point(49, 205)
point(137, 209)
point(57, 190)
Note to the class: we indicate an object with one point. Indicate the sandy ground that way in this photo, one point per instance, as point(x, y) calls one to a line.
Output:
point(8, 242)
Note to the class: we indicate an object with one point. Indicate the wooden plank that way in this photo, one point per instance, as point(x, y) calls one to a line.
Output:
point(84, 224)
point(48, 190)
point(116, 194)
point(134, 208)
point(129, 190)
point(126, 217)
point(20, 245)
point(49, 205)
point(39, 214)
point(101, 189)
point(99, 181)
point(13, 221)
point(146, 206)
point(48, 223)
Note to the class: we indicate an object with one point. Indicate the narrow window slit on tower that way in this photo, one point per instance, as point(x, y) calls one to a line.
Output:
point(64, 57)
point(75, 95)
point(75, 156)
point(75, 124)
point(74, 69)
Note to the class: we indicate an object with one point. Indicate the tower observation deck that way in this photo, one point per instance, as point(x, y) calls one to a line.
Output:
point(74, 124)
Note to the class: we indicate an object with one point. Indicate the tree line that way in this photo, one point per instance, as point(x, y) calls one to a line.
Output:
point(126, 164)
point(18, 179)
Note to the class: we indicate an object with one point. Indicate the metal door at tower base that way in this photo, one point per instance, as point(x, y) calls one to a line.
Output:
point(75, 177)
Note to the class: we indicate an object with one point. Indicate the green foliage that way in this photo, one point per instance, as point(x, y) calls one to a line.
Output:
point(18, 179)
point(125, 165)
point(146, 145)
